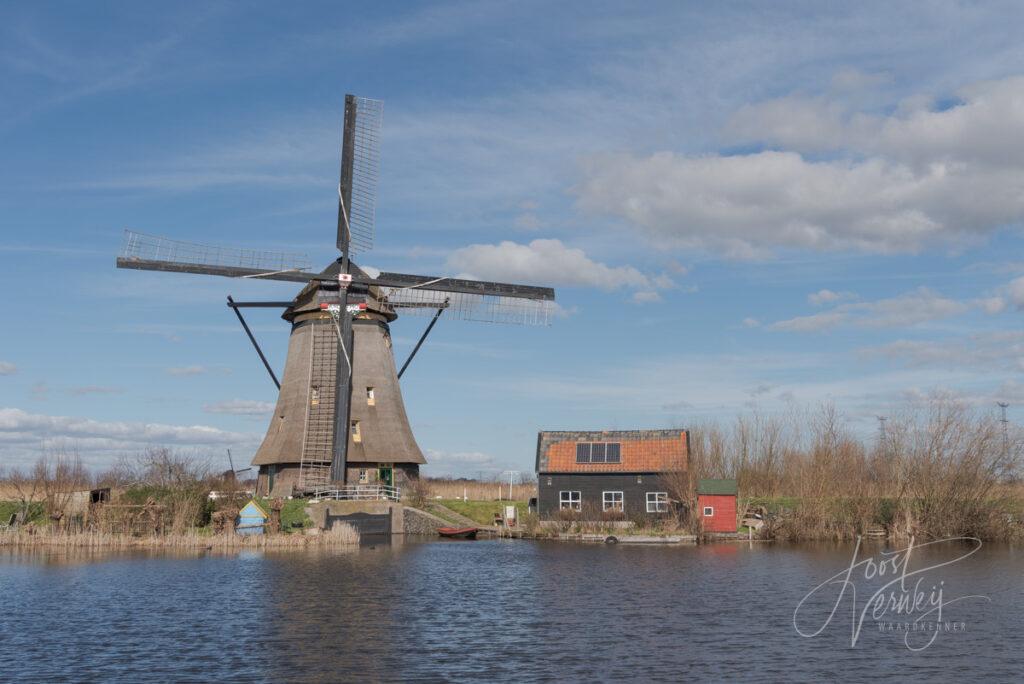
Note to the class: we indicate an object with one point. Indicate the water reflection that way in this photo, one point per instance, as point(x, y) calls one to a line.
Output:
point(487, 610)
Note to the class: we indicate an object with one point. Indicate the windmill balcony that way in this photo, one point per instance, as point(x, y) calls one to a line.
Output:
point(359, 493)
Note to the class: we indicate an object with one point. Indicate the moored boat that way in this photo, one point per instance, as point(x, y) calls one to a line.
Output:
point(458, 532)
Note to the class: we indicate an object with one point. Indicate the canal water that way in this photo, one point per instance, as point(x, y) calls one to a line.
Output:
point(510, 611)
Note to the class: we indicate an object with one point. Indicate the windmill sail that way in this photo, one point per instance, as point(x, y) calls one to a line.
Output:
point(467, 307)
point(360, 166)
point(155, 253)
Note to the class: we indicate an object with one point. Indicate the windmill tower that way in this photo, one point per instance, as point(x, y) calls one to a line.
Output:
point(340, 418)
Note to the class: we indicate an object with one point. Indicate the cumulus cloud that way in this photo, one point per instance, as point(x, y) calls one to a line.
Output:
point(910, 308)
point(548, 262)
point(240, 407)
point(7, 368)
point(24, 435)
point(920, 177)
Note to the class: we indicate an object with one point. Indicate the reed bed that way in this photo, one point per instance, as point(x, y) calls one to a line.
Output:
point(939, 470)
point(338, 535)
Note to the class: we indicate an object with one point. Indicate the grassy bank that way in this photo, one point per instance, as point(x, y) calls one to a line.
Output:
point(339, 535)
point(483, 512)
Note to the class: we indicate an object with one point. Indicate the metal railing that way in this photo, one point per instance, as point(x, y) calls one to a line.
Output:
point(360, 493)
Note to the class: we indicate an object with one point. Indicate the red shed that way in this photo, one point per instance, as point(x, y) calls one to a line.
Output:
point(716, 505)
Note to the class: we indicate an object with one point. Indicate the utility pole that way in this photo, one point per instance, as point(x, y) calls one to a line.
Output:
point(1006, 430)
point(881, 429)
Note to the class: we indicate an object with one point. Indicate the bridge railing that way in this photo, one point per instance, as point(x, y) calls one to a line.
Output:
point(360, 493)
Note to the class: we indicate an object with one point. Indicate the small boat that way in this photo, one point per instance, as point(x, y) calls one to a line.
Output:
point(458, 532)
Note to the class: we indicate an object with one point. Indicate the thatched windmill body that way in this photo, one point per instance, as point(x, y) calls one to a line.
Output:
point(340, 420)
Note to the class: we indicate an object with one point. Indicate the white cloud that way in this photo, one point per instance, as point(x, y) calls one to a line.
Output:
point(812, 323)
point(7, 368)
point(1015, 292)
point(646, 297)
point(822, 297)
point(544, 262)
point(751, 322)
point(94, 389)
point(997, 351)
point(915, 179)
point(187, 370)
point(908, 309)
point(240, 407)
point(25, 435)
point(459, 463)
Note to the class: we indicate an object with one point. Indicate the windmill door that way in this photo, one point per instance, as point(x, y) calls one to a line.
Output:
point(386, 475)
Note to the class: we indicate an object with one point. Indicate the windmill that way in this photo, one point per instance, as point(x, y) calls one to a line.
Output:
point(340, 418)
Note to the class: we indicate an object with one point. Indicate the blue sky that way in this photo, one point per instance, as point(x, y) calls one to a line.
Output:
point(747, 208)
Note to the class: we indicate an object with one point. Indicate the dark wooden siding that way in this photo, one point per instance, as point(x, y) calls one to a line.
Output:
point(591, 487)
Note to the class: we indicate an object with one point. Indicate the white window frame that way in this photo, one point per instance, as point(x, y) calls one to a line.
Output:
point(659, 502)
point(570, 502)
point(709, 511)
point(613, 505)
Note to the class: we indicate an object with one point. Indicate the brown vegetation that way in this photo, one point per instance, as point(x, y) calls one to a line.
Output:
point(339, 535)
point(941, 471)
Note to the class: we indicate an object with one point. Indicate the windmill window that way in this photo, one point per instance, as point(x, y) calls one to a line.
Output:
point(657, 502)
point(569, 501)
point(356, 436)
point(611, 501)
point(314, 396)
point(370, 399)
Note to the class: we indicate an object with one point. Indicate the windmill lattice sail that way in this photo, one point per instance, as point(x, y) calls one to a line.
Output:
point(467, 307)
point(365, 171)
point(143, 247)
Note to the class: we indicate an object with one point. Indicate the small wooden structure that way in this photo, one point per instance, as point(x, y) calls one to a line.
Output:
point(251, 518)
point(716, 505)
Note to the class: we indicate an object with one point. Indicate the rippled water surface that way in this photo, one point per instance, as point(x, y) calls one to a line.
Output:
point(487, 611)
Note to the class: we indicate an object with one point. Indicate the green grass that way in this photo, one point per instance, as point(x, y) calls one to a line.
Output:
point(8, 508)
point(293, 515)
point(482, 512)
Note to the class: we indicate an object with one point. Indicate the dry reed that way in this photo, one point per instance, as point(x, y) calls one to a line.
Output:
point(338, 535)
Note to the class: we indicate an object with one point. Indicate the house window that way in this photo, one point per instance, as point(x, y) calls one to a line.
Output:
point(364, 476)
point(657, 502)
point(597, 452)
point(708, 511)
point(370, 400)
point(356, 436)
point(569, 501)
point(611, 501)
